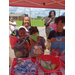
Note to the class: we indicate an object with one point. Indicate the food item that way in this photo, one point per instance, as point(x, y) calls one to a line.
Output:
point(26, 67)
point(19, 60)
point(9, 61)
point(47, 64)
point(42, 62)
point(53, 66)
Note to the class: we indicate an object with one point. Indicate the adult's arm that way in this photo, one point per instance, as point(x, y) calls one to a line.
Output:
point(48, 22)
point(14, 24)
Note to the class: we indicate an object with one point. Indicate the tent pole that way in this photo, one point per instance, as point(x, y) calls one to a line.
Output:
point(59, 12)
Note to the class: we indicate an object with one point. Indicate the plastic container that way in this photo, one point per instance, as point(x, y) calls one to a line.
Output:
point(15, 62)
point(51, 58)
point(13, 41)
point(63, 64)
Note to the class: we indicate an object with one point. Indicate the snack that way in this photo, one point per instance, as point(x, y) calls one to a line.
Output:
point(19, 60)
point(47, 64)
point(26, 67)
point(53, 66)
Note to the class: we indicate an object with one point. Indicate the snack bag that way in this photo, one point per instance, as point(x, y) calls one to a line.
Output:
point(58, 46)
point(36, 51)
point(45, 64)
point(38, 47)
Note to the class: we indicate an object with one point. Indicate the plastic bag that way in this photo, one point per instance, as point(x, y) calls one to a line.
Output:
point(58, 46)
point(36, 51)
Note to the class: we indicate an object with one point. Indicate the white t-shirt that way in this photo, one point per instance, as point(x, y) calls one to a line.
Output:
point(27, 29)
point(12, 27)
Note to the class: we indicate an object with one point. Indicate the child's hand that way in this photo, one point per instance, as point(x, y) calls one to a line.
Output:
point(63, 39)
point(13, 48)
point(52, 40)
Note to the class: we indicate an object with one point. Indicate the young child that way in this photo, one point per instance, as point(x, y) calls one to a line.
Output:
point(36, 47)
point(60, 23)
point(26, 24)
point(21, 47)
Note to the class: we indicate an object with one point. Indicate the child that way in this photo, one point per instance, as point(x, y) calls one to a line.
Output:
point(60, 23)
point(39, 46)
point(26, 24)
point(21, 47)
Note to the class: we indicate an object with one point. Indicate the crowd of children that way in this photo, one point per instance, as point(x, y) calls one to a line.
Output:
point(26, 46)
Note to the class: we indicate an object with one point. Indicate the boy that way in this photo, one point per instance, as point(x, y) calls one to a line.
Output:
point(21, 47)
point(60, 23)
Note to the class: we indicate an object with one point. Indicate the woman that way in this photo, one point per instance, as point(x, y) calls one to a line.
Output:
point(48, 21)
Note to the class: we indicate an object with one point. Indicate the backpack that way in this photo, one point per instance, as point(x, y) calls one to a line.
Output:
point(15, 33)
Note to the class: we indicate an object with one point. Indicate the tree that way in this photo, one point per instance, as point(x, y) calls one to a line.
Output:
point(12, 13)
point(39, 17)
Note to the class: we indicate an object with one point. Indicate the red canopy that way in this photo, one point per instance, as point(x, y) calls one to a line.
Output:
point(54, 4)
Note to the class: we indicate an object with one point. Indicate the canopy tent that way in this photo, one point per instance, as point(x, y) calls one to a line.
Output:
point(53, 4)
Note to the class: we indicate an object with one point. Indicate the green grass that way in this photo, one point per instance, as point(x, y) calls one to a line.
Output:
point(37, 23)
point(33, 23)
point(19, 23)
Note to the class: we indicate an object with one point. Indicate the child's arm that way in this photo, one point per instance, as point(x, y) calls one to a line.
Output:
point(42, 40)
point(63, 39)
point(52, 40)
point(48, 44)
point(13, 48)
point(28, 46)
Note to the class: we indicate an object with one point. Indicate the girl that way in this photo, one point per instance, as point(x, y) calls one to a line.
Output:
point(36, 47)
point(26, 25)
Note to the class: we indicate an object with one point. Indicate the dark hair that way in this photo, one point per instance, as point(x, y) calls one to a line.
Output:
point(22, 29)
point(33, 30)
point(26, 15)
point(51, 12)
point(57, 19)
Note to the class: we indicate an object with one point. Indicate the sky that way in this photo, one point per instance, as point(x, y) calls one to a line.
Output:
point(34, 11)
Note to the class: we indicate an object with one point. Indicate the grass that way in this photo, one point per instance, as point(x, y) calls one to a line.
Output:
point(37, 23)
point(33, 23)
point(19, 23)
